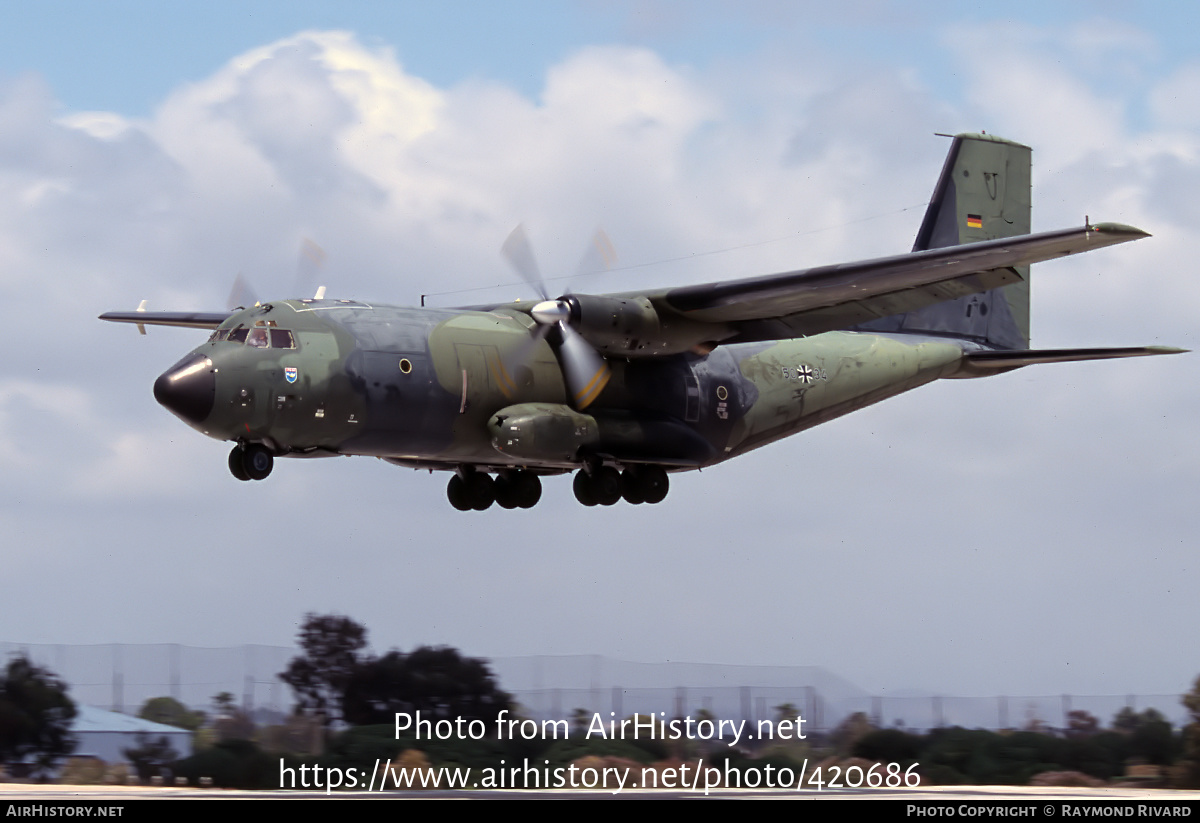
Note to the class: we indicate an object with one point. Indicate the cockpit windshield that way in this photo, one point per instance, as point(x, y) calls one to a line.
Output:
point(258, 337)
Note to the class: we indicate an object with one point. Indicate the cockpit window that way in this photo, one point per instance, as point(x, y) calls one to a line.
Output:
point(258, 337)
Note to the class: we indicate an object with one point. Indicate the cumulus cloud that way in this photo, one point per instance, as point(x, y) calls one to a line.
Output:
point(1176, 101)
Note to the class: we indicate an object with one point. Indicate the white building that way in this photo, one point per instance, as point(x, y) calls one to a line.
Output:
point(104, 735)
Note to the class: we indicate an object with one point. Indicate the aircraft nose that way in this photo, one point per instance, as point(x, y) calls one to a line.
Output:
point(188, 388)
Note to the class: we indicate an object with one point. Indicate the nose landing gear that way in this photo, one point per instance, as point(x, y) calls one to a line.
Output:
point(251, 462)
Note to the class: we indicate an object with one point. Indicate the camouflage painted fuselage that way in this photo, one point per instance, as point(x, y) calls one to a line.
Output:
point(433, 388)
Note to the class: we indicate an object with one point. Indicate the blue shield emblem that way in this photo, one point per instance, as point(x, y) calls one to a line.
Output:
point(290, 374)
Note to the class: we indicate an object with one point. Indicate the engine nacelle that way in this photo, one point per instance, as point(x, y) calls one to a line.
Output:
point(615, 325)
point(542, 431)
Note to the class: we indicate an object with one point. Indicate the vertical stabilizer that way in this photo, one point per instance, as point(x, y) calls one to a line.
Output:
point(983, 194)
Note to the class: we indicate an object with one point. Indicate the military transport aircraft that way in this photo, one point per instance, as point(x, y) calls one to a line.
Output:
point(622, 389)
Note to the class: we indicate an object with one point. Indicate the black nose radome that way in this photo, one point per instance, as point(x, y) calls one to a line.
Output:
point(188, 388)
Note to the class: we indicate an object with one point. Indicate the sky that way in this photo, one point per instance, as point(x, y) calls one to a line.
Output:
point(1031, 533)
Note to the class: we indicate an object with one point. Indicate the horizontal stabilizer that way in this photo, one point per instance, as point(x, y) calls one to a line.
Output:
point(979, 363)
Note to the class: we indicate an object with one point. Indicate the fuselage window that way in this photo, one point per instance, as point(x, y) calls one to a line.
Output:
point(238, 335)
point(282, 339)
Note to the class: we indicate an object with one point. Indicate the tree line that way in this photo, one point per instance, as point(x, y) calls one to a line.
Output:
point(346, 700)
point(334, 679)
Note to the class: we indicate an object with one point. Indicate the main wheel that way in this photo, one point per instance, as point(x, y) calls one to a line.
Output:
point(585, 493)
point(506, 492)
point(631, 486)
point(257, 461)
point(480, 491)
point(527, 488)
point(607, 485)
point(456, 491)
point(653, 483)
point(235, 464)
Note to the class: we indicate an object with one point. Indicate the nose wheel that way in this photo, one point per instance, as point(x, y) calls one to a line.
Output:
point(251, 462)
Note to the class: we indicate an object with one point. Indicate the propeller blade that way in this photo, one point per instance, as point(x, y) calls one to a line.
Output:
point(241, 295)
point(601, 255)
point(519, 253)
point(513, 364)
point(584, 369)
point(308, 267)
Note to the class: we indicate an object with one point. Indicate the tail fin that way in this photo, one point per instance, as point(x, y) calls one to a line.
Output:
point(983, 194)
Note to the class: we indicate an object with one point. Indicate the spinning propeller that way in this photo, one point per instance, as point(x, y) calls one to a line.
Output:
point(308, 268)
point(584, 369)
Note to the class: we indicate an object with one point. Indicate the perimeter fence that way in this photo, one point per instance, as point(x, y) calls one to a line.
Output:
point(122, 676)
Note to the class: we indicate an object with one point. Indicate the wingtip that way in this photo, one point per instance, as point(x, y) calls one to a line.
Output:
point(1133, 232)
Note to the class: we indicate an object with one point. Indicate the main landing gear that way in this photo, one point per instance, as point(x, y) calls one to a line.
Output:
point(477, 490)
point(604, 486)
point(470, 489)
point(251, 462)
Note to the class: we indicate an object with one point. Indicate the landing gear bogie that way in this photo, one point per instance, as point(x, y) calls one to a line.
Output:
point(604, 486)
point(476, 490)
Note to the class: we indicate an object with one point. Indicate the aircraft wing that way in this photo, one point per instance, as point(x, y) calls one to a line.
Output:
point(184, 319)
point(811, 301)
